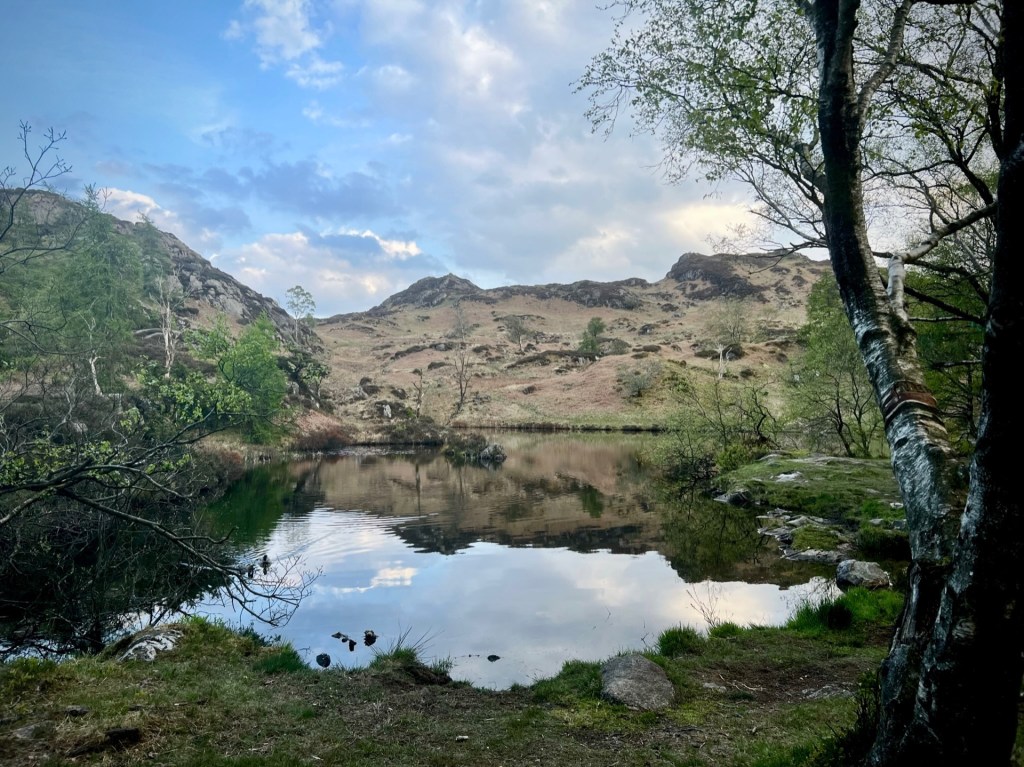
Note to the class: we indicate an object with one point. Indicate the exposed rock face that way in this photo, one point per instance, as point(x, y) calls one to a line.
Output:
point(702, 277)
point(637, 682)
point(427, 293)
point(868, 575)
point(739, 496)
point(711, 277)
point(202, 282)
point(433, 291)
point(613, 295)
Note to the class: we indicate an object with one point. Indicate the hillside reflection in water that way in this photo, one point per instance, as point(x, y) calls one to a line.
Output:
point(568, 550)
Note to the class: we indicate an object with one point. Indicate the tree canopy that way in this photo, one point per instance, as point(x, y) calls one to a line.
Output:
point(880, 129)
point(98, 482)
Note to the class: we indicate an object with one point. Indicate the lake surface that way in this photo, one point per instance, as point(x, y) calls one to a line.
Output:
point(568, 550)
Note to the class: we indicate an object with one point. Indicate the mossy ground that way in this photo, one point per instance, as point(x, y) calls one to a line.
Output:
point(858, 497)
point(841, 489)
point(756, 696)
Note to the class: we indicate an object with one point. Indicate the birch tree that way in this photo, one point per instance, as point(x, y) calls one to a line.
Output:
point(836, 113)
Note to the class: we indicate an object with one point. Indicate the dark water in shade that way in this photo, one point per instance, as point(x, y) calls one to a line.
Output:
point(568, 550)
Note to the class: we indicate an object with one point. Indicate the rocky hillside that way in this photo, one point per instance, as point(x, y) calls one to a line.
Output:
point(409, 353)
point(209, 291)
point(513, 351)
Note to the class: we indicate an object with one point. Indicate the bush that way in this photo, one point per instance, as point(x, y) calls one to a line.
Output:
point(680, 640)
point(640, 379)
point(322, 440)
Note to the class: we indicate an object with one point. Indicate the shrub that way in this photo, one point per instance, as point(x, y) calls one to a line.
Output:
point(680, 640)
point(322, 440)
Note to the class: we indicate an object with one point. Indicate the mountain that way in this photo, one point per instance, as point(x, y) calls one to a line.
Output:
point(511, 349)
point(209, 292)
point(411, 343)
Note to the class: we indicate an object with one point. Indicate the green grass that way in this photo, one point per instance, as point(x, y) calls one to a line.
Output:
point(845, 489)
point(680, 640)
point(224, 698)
point(283, 660)
point(725, 630)
point(815, 537)
point(847, 617)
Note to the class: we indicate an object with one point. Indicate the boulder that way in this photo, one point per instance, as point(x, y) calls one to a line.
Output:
point(637, 682)
point(492, 453)
point(868, 575)
point(147, 644)
point(737, 497)
point(818, 556)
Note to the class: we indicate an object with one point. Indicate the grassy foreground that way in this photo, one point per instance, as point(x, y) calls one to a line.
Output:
point(744, 696)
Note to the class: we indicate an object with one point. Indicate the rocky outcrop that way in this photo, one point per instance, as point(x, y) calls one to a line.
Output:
point(723, 275)
point(869, 575)
point(612, 295)
point(637, 682)
point(703, 277)
point(428, 293)
point(147, 644)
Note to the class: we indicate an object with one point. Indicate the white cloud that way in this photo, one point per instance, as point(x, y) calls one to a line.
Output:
point(316, 73)
point(394, 576)
point(707, 221)
point(285, 34)
point(282, 29)
point(345, 270)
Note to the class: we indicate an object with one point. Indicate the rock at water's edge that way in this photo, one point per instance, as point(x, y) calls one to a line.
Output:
point(637, 682)
point(868, 575)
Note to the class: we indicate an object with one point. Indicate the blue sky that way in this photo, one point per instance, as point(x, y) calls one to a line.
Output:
point(354, 146)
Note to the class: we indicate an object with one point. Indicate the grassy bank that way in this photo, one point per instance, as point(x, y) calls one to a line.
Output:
point(744, 696)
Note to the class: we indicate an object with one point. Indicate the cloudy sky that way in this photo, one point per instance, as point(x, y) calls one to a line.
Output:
point(354, 146)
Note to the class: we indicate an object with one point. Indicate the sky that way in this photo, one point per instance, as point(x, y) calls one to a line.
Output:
point(354, 146)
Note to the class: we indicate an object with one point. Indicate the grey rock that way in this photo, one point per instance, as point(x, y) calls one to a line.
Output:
point(816, 555)
point(783, 535)
point(637, 682)
point(792, 476)
point(492, 453)
point(737, 497)
point(34, 731)
point(868, 575)
point(803, 521)
point(149, 643)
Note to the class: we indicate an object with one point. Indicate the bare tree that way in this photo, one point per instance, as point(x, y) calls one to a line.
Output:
point(461, 360)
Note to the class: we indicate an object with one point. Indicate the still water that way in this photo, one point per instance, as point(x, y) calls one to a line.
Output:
point(568, 550)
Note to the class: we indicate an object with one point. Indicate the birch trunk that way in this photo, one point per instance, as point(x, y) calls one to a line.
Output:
point(950, 685)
